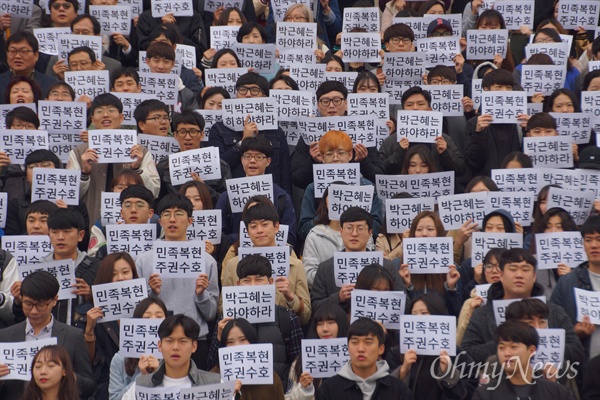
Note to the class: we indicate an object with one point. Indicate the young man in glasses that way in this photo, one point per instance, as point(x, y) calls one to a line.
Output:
point(252, 85)
point(152, 118)
point(196, 298)
point(39, 294)
point(188, 130)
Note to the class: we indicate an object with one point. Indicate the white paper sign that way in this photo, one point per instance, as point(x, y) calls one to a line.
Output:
point(361, 47)
point(62, 270)
point(158, 393)
point(366, 18)
point(324, 358)
point(137, 7)
point(347, 265)
point(578, 204)
point(54, 184)
point(369, 104)
point(203, 161)
point(575, 13)
point(88, 83)
point(440, 50)
point(223, 37)
point(18, 143)
point(325, 174)
point(574, 126)
point(62, 116)
point(559, 247)
point(402, 71)
point(419, 126)
point(384, 307)
point(543, 79)
point(3, 208)
point(253, 303)
point(308, 77)
point(262, 111)
point(296, 42)
point(565, 178)
point(163, 87)
point(240, 190)
point(130, 102)
point(446, 99)
point(139, 337)
point(457, 209)
point(118, 299)
point(27, 249)
point(48, 38)
point(110, 210)
point(504, 106)
point(224, 77)
point(252, 363)
point(419, 185)
point(68, 42)
point(17, 8)
point(113, 145)
point(179, 8)
point(280, 237)
point(517, 180)
point(588, 305)
point(589, 181)
point(260, 57)
point(482, 291)
point(482, 242)
point(278, 256)
point(551, 348)
point(399, 213)
point(159, 146)
point(212, 5)
point(520, 205)
point(516, 13)
point(428, 255)
point(342, 197)
point(179, 259)
point(485, 44)
point(207, 226)
point(113, 19)
point(134, 239)
point(18, 356)
point(217, 391)
point(428, 335)
point(559, 52)
point(500, 307)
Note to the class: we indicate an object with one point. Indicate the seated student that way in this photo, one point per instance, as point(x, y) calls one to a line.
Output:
point(515, 343)
point(38, 295)
point(152, 118)
point(79, 59)
point(488, 143)
point(197, 298)
point(585, 276)
point(53, 376)
point(364, 376)
point(252, 85)
point(107, 113)
point(397, 37)
point(16, 219)
point(446, 155)
point(188, 129)
point(60, 91)
point(356, 227)
point(517, 282)
point(332, 101)
point(335, 148)
point(125, 80)
point(285, 333)
point(256, 156)
point(262, 223)
point(543, 124)
point(177, 343)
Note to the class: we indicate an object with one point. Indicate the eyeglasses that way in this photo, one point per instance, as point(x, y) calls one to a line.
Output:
point(112, 111)
point(440, 82)
point(23, 126)
point(257, 157)
point(296, 18)
point(441, 34)
point(45, 164)
point(41, 307)
point(351, 228)
point(541, 40)
point(65, 6)
point(21, 52)
point(332, 154)
point(176, 214)
point(161, 118)
point(81, 64)
point(490, 266)
point(398, 39)
point(325, 102)
point(254, 90)
point(138, 204)
point(184, 132)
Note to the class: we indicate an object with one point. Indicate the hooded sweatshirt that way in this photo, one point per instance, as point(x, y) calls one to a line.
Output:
point(367, 386)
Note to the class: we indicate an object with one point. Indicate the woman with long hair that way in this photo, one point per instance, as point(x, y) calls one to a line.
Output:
point(53, 377)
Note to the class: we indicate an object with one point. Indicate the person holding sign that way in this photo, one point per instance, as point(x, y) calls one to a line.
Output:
point(517, 282)
point(197, 298)
point(22, 90)
point(239, 332)
point(177, 343)
point(124, 371)
point(585, 277)
point(53, 376)
point(515, 343)
point(356, 228)
point(365, 345)
point(38, 295)
point(152, 118)
point(262, 222)
point(436, 377)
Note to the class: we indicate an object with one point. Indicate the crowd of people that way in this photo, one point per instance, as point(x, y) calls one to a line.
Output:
point(493, 359)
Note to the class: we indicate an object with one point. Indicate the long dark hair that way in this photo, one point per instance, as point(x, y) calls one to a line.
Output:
point(246, 328)
point(132, 363)
point(429, 281)
point(425, 155)
point(68, 386)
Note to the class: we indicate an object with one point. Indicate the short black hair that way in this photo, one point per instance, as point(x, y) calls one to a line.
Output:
point(442, 71)
point(66, 218)
point(191, 329)
point(126, 72)
point(398, 30)
point(527, 308)
point(364, 327)
point(40, 286)
point(24, 36)
point(331, 86)
point(188, 116)
point(254, 264)
point(516, 332)
point(24, 114)
point(356, 214)
point(252, 78)
point(221, 53)
point(413, 91)
point(61, 84)
point(498, 77)
point(286, 78)
point(591, 226)
point(261, 212)
point(42, 155)
point(161, 49)
point(590, 76)
point(248, 27)
point(170, 31)
point(258, 143)
point(523, 159)
point(144, 109)
point(596, 46)
point(104, 100)
point(92, 19)
point(83, 49)
point(175, 200)
point(541, 120)
point(137, 192)
point(517, 255)
point(332, 57)
point(44, 207)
